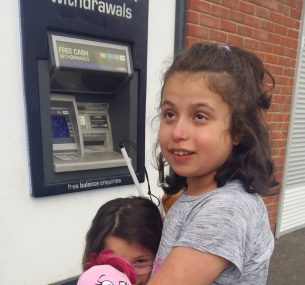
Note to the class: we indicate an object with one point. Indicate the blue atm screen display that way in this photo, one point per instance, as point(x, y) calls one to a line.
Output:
point(60, 127)
point(62, 131)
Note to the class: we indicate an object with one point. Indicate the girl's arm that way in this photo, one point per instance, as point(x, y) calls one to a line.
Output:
point(189, 266)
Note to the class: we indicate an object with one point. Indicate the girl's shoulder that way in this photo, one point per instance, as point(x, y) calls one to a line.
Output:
point(234, 191)
point(231, 198)
point(231, 191)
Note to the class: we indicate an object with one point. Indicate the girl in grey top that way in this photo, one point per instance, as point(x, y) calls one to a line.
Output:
point(217, 148)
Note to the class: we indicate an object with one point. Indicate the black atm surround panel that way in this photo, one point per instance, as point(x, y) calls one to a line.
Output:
point(55, 133)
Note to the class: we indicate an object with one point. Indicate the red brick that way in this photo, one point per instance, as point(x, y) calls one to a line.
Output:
point(276, 17)
point(288, 71)
point(276, 70)
point(286, 90)
point(286, 61)
point(271, 58)
point(256, 2)
point(196, 31)
point(277, 49)
point(278, 143)
point(218, 36)
point(293, 34)
point(198, 5)
point(233, 4)
point(245, 31)
point(220, 11)
point(267, 26)
point(260, 35)
point(235, 40)
point(297, 25)
point(283, 9)
point(283, 80)
point(189, 41)
point(267, 116)
point(262, 12)
point(209, 21)
point(246, 8)
point(295, 13)
point(279, 117)
point(237, 16)
point(278, 99)
point(266, 47)
point(299, 5)
point(274, 38)
point(193, 17)
point(271, 5)
point(280, 29)
point(289, 98)
point(251, 44)
point(292, 53)
point(291, 3)
point(228, 26)
point(289, 42)
point(288, 22)
point(253, 21)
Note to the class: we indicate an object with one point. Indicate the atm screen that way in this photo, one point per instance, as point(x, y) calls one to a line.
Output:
point(62, 131)
point(60, 127)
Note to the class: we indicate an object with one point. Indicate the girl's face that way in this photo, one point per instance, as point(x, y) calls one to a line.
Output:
point(194, 131)
point(141, 258)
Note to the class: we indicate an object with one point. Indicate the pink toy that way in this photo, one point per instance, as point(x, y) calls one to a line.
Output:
point(107, 269)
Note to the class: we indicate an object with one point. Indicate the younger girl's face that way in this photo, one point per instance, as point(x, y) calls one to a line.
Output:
point(194, 134)
point(141, 258)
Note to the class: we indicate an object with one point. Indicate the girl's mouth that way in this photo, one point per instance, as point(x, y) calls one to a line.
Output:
point(181, 152)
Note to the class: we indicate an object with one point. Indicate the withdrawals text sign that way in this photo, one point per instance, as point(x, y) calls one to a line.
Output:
point(122, 10)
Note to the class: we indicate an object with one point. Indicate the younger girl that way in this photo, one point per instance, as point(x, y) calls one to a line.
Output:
point(130, 227)
point(216, 145)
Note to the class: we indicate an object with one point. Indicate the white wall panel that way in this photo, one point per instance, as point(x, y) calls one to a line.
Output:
point(292, 203)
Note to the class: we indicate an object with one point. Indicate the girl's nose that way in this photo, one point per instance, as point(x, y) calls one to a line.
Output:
point(180, 130)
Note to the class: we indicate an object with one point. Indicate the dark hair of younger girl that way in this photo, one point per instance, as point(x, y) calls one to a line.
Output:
point(134, 219)
point(239, 77)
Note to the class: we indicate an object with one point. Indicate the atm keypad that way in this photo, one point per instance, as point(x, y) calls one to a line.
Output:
point(66, 157)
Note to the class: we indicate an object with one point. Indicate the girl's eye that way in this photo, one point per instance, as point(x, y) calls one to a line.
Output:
point(141, 262)
point(200, 117)
point(168, 115)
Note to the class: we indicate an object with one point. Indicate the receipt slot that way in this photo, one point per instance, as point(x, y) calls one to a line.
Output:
point(85, 84)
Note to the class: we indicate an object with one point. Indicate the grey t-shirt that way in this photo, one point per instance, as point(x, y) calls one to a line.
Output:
point(228, 222)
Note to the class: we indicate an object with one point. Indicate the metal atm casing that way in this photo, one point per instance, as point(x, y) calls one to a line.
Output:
point(117, 111)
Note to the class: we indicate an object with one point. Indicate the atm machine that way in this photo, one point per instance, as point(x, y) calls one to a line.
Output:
point(81, 129)
point(85, 84)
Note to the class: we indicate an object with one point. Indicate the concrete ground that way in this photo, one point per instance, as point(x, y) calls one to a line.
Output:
point(287, 265)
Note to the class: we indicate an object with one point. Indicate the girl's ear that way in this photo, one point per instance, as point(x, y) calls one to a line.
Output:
point(236, 141)
point(237, 138)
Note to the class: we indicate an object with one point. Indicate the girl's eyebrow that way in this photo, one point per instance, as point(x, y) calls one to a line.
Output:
point(204, 105)
point(195, 105)
point(166, 102)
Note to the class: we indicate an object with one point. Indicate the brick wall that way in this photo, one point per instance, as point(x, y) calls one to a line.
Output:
point(270, 29)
